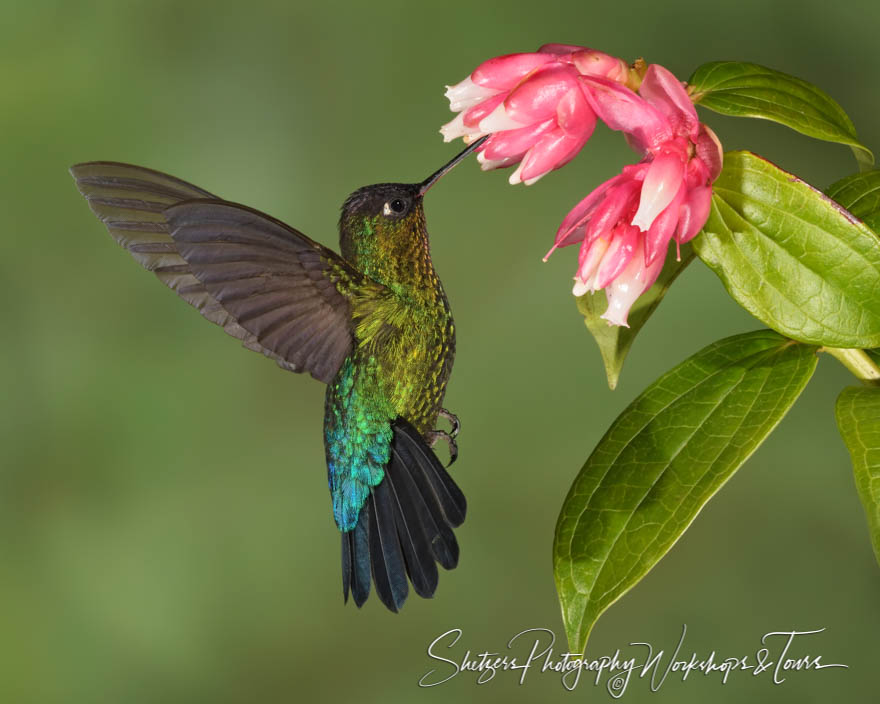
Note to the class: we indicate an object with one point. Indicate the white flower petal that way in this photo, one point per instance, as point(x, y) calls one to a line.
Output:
point(466, 94)
point(514, 177)
point(456, 128)
point(498, 121)
point(489, 164)
point(579, 288)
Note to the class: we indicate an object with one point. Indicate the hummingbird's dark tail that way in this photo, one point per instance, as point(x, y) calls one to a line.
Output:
point(405, 526)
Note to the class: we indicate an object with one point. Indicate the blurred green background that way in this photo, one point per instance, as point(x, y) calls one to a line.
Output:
point(165, 527)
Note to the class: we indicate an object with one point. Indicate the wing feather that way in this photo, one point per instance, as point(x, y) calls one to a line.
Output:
point(263, 282)
point(131, 201)
point(278, 284)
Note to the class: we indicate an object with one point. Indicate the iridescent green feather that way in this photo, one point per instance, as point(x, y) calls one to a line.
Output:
point(404, 343)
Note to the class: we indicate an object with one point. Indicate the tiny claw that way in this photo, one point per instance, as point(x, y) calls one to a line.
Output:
point(434, 435)
point(453, 421)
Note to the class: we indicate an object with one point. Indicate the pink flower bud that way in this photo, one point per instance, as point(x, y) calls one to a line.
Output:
point(694, 213)
point(618, 206)
point(561, 49)
point(663, 228)
point(538, 98)
point(665, 92)
point(553, 150)
point(574, 114)
point(589, 62)
point(588, 261)
point(515, 143)
point(663, 180)
point(709, 150)
point(629, 285)
point(621, 109)
point(504, 72)
point(697, 173)
point(594, 63)
point(573, 226)
point(620, 252)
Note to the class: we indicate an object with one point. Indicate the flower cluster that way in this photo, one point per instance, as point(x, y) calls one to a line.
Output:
point(541, 108)
point(534, 106)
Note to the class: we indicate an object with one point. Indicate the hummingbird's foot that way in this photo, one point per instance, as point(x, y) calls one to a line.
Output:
point(453, 421)
point(434, 435)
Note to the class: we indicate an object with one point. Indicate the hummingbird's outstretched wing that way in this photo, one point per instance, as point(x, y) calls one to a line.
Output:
point(292, 294)
point(131, 201)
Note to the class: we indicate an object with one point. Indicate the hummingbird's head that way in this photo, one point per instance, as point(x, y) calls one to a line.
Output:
point(384, 224)
point(381, 224)
point(383, 203)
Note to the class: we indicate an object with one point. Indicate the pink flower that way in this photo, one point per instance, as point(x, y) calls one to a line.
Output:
point(625, 225)
point(539, 109)
point(534, 105)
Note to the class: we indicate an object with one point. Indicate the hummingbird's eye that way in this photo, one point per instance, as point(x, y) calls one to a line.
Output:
point(394, 207)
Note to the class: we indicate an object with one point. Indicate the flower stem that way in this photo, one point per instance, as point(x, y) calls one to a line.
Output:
point(858, 362)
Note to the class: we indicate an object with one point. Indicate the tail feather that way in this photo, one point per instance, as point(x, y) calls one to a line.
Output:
point(449, 496)
point(356, 559)
point(346, 564)
point(405, 526)
point(444, 546)
point(410, 516)
point(386, 553)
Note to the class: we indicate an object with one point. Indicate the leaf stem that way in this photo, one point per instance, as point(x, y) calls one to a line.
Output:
point(858, 362)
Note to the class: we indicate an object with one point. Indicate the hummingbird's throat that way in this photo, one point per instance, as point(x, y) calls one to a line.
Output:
point(394, 253)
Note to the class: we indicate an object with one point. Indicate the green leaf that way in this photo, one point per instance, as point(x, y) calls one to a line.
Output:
point(860, 195)
point(662, 460)
point(791, 256)
point(874, 354)
point(614, 340)
point(858, 418)
point(749, 90)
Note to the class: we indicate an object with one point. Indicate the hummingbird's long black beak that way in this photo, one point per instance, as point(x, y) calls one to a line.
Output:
point(433, 178)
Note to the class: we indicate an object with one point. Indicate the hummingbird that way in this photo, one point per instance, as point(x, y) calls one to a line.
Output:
point(373, 324)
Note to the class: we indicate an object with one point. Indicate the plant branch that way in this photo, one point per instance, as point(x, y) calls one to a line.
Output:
point(858, 362)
